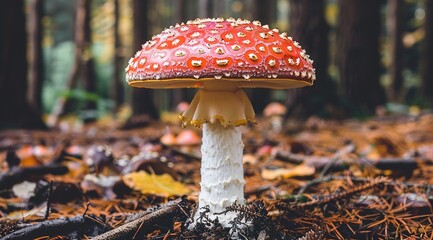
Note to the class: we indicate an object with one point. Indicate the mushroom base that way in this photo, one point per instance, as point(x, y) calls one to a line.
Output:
point(222, 176)
point(229, 107)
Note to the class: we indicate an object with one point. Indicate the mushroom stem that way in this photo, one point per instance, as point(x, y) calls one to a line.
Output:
point(222, 175)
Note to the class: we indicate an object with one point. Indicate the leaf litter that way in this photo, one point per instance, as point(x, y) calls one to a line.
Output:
point(318, 179)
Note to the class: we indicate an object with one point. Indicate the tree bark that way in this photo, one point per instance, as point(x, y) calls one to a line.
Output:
point(395, 28)
point(15, 111)
point(118, 84)
point(204, 8)
point(142, 102)
point(260, 97)
point(308, 26)
point(427, 65)
point(36, 62)
point(79, 54)
point(88, 71)
point(358, 54)
point(180, 16)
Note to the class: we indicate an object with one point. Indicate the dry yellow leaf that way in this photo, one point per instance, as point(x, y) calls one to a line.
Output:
point(298, 171)
point(162, 185)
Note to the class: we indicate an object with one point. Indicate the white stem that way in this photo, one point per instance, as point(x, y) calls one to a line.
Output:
point(222, 174)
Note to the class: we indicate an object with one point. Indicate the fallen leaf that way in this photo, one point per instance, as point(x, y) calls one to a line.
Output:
point(301, 170)
point(250, 159)
point(22, 214)
point(24, 190)
point(146, 183)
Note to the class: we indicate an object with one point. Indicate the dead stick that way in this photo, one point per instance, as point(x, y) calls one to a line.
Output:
point(138, 215)
point(164, 216)
point(17, 175)
point(48, 228)
point(320, 200)
point(314, 182)
point(47, 213)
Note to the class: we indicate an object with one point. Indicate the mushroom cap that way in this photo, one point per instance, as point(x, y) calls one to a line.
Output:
point(188, 137)
point(274, 109)
point(240, 51)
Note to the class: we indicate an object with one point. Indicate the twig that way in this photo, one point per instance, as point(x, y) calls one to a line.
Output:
point(320, 200)
point(336, 157)
point(424, 186)
point(47, 213)
point(48, 228)
point(87, 208)
point(164, 216)
point(290, 157)
point(314, 182)
point(17, 175)
point(332, 162)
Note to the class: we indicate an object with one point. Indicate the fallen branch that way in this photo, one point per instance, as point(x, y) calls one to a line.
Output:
point(146, 224)
point(321, 200)
point(47, 213)
point(315, 182)
point(17, 175)
point(61, 226)
point(129, 217)
point(425, 187)
point(396, 164)
point(336, 161)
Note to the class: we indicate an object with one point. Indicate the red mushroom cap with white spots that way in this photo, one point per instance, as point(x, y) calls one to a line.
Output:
point(240, 51)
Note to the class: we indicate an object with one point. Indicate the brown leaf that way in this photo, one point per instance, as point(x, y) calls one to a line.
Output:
point(146, 183)
point(301, 170)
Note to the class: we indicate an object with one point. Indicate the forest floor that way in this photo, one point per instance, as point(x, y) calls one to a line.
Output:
point(318, 179)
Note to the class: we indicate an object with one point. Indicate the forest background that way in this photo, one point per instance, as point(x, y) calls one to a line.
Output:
point(62, 58)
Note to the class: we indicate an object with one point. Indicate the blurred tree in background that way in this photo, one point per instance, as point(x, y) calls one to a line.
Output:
point(82, 68)
point(71, 59)
point(396, 30)
point(265, 13)
point(35, 61)
point(308, 25)
point(359, 65)
point(427, 69)
point(117, 92)
point(142, 103)
point(15, 109)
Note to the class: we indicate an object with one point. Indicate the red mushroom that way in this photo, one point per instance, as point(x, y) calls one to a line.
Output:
point(220, 57)
point(275, 112)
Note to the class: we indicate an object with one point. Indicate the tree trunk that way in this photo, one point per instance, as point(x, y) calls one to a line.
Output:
point(395, 28)
point(142, 102)
point(15, 111)
point(88, 71)
point(204, 8)
point(60, 106)
point(118, 84)
point(36, 62)
point(260, 97)
point(428, 53)
point(180, 16)
point(308, 26)
point(358, 54)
